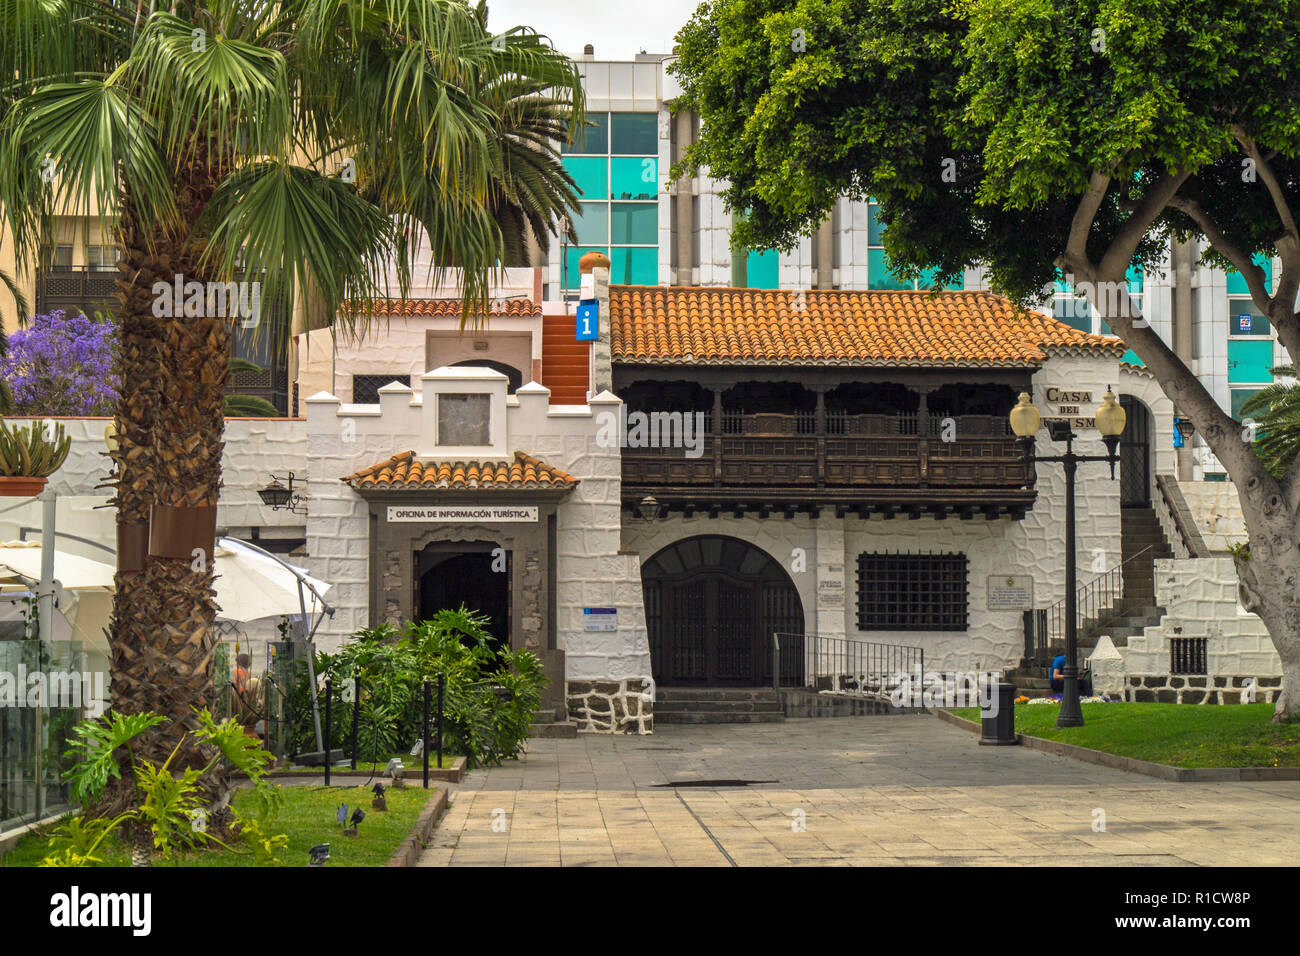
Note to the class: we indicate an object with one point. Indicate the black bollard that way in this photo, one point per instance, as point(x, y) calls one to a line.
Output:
point(424, 751)
point(329, 697)
point(356, 716)
point(442, 683)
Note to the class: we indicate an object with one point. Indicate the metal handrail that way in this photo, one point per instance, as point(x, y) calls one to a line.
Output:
point(1092, 599)
point(850, 666)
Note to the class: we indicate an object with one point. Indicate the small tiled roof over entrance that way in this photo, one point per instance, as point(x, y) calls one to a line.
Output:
point(655, 325)
point(405, 471)
point(452, 308)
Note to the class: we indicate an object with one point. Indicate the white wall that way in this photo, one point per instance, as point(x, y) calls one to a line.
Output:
point(1200, 598)
point(590, 570)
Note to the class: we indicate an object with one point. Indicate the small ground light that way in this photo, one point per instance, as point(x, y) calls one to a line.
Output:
point(319, 854)
point(342, 815)
point(380, 802)
point(357, 816)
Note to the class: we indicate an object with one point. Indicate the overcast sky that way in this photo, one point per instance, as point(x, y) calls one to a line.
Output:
point(619, 29)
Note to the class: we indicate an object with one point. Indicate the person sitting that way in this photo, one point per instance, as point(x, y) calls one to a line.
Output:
point(1057, 671)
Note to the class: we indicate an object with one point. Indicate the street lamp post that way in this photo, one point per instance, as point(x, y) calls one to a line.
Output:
point(1025, 422)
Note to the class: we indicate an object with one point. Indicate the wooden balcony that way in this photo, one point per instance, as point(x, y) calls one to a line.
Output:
point(906, 464)
point(75, 290)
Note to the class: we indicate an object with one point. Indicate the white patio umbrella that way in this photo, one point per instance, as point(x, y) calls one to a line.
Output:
point(249, 585)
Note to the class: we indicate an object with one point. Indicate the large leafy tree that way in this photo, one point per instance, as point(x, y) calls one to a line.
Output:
point(1026, 137)
point(296, 143)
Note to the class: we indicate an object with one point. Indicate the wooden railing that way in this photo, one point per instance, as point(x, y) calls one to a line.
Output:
point(967, 451)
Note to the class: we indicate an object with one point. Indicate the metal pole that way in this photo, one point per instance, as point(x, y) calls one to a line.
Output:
point(329, 697)
point(45, 625)
point(356, 716)
point(424, 751)
point(1071, 714)
point(442, 684)
point(776, 662)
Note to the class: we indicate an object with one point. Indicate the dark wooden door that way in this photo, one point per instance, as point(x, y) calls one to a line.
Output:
point(1135, 454)
point(711, 606)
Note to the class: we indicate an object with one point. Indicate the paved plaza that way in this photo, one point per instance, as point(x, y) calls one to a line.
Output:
point(877, 791)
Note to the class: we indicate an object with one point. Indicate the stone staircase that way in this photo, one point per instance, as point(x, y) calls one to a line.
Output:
point(717, 705)
point(545, 725)
point(1136, 609)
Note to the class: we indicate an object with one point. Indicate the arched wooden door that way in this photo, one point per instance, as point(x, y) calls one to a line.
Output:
point(712, 603)
point(1135, 454)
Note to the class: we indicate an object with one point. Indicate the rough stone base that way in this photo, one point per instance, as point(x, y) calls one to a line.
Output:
point(611, 707)
point(1199, 689)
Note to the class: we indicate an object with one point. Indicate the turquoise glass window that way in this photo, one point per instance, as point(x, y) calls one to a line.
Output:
point(762, 269)
point(593, 224)
point(591, 173)
point(634, 177)
point(1237, 282)
point(879, 275)
point(1250, 361)
point(1245, 319)
point(635, 224)
point(634, 133)
point(1074, 312)
point(875, 228)
point(572, 280)
point(634, 267)
point(1239, 397)
point(593, 138)
point(931, 276)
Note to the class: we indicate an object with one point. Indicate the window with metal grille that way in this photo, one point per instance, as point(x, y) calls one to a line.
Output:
point(365, 388)
point(1187, 655)
point(913, 592)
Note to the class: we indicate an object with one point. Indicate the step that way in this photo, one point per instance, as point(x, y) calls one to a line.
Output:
point(687, 717)
point(554, 729)
point(715, 693)
point(717, 706)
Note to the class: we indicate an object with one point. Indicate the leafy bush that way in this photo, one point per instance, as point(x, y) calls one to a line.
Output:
point(484, 725)
point(170, 813)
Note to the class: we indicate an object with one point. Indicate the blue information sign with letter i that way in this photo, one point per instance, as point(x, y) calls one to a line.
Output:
point(588, 321)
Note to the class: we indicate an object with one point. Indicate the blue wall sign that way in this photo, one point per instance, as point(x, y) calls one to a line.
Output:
point(588, 321)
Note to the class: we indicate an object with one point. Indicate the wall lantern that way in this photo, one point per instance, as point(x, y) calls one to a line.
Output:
point(1185, 429)
point(649, 508)
point(277, 496)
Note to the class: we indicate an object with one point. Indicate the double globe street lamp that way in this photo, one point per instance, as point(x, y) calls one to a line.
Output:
point(1025, 422)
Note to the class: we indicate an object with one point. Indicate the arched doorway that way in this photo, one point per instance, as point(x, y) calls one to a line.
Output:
point(515, 378)
point(712, 603)
point(1135, 454)
point(473, 574)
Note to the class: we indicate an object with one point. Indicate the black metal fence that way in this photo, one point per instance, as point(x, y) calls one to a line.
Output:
point(847, 666)
point(1187, 655)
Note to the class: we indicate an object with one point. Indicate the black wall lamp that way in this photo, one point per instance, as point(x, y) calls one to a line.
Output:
point(277, 496)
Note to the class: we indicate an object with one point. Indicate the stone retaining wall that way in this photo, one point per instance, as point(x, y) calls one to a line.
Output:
point(611, 707)
point(1199, 689)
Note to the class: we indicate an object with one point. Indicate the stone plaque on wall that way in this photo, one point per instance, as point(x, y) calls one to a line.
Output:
point(1011, 592)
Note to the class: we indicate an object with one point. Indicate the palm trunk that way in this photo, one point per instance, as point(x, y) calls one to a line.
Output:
point(170, 422)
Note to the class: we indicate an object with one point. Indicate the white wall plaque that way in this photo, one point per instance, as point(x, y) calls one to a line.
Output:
point(492, 514)
point(600, 619)
point(1011, 592)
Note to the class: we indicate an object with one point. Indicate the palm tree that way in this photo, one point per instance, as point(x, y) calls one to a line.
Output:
point(293, 142)
point(1276, 408)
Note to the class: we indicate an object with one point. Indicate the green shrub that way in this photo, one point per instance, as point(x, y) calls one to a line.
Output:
point(483, 725)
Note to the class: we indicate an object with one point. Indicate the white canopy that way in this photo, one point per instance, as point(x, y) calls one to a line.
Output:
point(249, 585)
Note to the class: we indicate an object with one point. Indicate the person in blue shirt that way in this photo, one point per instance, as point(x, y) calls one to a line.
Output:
point(1058, 679)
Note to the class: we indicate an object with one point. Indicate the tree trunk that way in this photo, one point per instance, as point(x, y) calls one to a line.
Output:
point(171, 418)
point(1268, 576)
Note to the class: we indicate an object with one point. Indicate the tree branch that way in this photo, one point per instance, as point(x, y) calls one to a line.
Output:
point(1076, 246)
point(1266, 172)
point(1116, 261)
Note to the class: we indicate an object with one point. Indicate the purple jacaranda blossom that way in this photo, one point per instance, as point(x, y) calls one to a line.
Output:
point(61, 365)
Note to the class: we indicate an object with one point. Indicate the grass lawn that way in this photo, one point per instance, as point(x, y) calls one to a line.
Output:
point(307, 818)
point(1180, 735)
point(414, 765)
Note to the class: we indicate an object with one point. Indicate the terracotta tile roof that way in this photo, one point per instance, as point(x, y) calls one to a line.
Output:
point(405, 471)
point(451, 307)
point(656, 325)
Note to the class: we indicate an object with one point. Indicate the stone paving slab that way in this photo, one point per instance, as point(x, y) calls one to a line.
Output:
point(861, 791)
